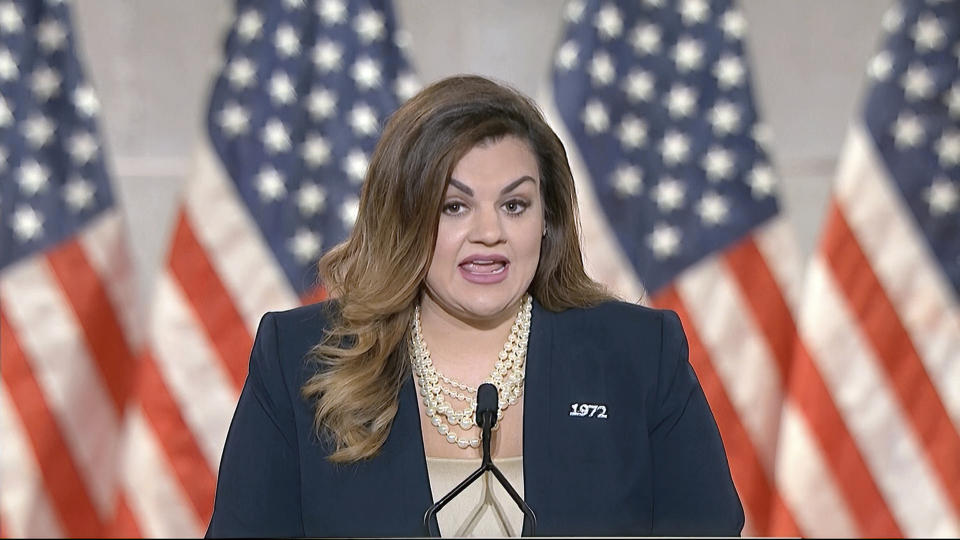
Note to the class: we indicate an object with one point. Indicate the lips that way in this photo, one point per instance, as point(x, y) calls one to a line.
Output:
point(484, 268)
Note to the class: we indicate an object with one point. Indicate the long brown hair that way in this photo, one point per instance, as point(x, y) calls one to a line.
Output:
point(376, 274)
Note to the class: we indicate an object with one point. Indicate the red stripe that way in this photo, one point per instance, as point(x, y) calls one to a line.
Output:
point(101, 329)
point(315, 295)
point(806, 388)
point(757, 492)
point(60, 476)
point(894, 348)
point(124, 523)
point(179, 445)
point(210, 301)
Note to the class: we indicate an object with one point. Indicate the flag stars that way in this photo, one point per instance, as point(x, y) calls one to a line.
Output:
point(45, 83)
point(363, 120)
point(729, 71)
point(305, 245)
point(892, 19)
point(27, 223)
point(632, 132)
point(33, 178)
point(669, 194)
point(311, 199)
point(952, 100)
point(595, 117)
point(406, 86)
point(82, 147)
point(286, 41)
point(880, 66)
point(6, 115)
point(688, 54)
point(349, 210)
point(664, 241)
point(355, 165)
point(928, 34)
point(249, 25)
point(85, 101)
point(917, 83)
point(609, 22)
point(366, 73)
point(943, 196)
point(327, 56)
point(369, 25)
point(573, 12)
point(51, 35)
point(11, 21)
point(627, 181)
point(315, 150)
point(233, 119)
point(321, 103)
point(724, 117)
point(78, 194)
point(713, 208)
point(734, 24)
point(694, 11)
point(241, 73)
point(8, 66)
point(567, 55)
point(639, 86)
point(948, 148)
point(282, 91)
point(332, 12)
point(602, 70)
point(681, 101)
point(908, 131)
point(674, 148)
point(645, 39)
point(761, 181)
point(270, 185)
point(38, 130)
point(275, 136)
point(718, 163)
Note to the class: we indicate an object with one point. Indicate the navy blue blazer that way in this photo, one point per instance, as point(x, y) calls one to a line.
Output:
point(654, 466)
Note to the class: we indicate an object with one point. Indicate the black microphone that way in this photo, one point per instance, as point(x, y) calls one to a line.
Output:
point(486, 419)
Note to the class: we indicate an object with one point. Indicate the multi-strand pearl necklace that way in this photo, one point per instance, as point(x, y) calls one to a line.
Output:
point(507, 376)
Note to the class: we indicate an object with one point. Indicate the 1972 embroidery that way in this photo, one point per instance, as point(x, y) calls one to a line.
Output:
point(588, 409)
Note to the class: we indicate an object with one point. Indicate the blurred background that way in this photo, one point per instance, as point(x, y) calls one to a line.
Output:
point(784, 175)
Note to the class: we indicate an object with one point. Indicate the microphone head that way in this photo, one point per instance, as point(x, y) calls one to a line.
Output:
point(486, 404)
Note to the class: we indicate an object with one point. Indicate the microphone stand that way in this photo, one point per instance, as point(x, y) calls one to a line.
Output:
point(486, 418)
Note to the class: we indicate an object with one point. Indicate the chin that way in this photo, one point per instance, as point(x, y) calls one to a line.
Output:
point(486, 305)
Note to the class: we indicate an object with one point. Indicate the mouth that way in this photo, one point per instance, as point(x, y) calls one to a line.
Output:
point(484, 266)
point(485, 269)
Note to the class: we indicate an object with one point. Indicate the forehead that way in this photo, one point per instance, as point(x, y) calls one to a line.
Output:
point(501, 160)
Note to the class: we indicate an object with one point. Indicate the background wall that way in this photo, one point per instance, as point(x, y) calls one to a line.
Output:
point(153, 62)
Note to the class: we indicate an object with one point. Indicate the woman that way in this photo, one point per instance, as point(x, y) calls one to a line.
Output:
point(465, 266)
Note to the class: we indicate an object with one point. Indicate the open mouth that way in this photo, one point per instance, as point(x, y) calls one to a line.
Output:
point(488, 267)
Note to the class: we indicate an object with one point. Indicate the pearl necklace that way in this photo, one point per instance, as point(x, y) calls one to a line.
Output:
point(507, 376)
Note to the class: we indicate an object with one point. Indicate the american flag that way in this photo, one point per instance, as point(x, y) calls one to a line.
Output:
point(67, 327)
point(880, 315)
point(679, 200)
point(293, 117)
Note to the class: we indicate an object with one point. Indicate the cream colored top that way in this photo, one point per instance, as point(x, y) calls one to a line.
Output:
point(484, 508)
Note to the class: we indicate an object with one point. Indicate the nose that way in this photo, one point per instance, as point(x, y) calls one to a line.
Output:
point(486, 227)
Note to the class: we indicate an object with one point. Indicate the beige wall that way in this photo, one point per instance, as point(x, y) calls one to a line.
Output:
point(152, 62)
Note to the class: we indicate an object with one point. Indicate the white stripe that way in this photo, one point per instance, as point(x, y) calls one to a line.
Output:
point(105, 245)
point(156, 499)
point(902, 261)
point(26, 510)
point(806, 483)
point(53, 342)
point(234, 244)
point(602, 257)
point(192, 370)
point(738, 351)
point(865, 400)
point(778, 246)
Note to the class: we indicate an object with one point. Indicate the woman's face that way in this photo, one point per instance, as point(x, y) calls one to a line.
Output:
point(488, 240)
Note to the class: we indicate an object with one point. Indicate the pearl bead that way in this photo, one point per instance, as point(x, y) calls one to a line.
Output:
point(435, 420)
point(474, 443)
point(443, 429)
point(451, 437)
point(462, 443)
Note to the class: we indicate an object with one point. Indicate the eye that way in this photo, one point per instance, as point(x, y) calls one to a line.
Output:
point(453, 208)
point(515, 206)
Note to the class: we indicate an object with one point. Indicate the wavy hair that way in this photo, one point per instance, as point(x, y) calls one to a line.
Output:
point(376, 275)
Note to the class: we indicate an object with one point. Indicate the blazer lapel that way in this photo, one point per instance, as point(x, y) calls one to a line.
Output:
point(537, 447)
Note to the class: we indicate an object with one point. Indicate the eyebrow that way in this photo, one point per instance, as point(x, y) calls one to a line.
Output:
point(510, 187)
